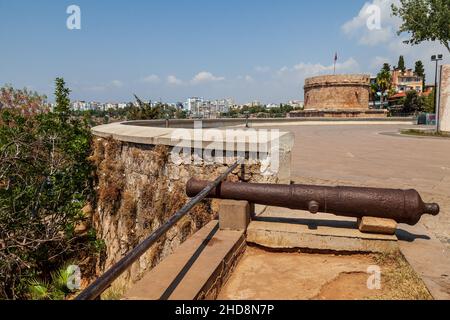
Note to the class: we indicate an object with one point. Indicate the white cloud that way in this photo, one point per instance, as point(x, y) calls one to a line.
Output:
point(310, 69)
point(249, 78)
point(386, 38)
point(246, 78)
point(153, 78)
point(173, 80)
point(378, 61)
point(204, 77)
point(103, 87)
point(364, 25)
point(262, 69)
point(117, 83)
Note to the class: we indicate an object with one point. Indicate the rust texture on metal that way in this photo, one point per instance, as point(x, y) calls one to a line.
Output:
point(403, 206)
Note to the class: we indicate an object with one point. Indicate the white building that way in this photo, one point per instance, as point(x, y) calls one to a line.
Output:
point(193, 104)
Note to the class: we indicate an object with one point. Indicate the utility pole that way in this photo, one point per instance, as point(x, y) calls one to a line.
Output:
point(436, 58)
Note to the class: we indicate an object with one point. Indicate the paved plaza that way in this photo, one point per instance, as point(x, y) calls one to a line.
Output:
point(364, 155)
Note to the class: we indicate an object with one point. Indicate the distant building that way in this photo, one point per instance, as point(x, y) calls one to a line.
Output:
point(193, 104)
point(297, 104)
point(406, 81)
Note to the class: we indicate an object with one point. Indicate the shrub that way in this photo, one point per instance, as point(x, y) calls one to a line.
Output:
point(45, 180)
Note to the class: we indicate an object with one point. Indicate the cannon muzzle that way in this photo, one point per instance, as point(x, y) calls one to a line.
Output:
point(403, 206)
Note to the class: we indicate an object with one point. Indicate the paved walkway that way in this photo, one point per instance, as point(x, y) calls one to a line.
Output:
point(362, 155)
point(359, 155)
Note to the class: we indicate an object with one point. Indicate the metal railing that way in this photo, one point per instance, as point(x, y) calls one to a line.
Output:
point(94, 290)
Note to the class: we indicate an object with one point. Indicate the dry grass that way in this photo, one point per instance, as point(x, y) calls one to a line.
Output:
point(400, 280)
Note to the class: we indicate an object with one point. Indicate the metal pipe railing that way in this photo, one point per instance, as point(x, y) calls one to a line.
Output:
point(94, 290)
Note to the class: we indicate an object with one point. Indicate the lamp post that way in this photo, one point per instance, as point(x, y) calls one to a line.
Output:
point(436, 58)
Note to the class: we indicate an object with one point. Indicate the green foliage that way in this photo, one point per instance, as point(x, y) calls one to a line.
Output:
point(384, 80)
point(419, 70)
point(386, 67)
point(62, 97)
point(181, 114)
point(425, 20)
point(57, 289)
point(262, 111)
point(413, 103)
point(401, 64)
point(429, 103)
point(45, 180)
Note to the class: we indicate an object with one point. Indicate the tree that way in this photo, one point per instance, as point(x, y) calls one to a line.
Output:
point(62, 97)
point(373, 92)
point(386, 67)
point(413, 103)
point(429, 102)
point(384, 81)
point(401, 64)
point(419, 70)
point(425, 20)
point(45, 180)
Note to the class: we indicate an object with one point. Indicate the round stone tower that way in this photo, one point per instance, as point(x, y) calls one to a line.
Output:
point(337, 92)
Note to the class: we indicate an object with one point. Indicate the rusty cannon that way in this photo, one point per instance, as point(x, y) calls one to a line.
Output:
point(403, 206)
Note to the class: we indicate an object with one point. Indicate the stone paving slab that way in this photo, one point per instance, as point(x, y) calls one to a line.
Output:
point(428, 257)
point(278, 235)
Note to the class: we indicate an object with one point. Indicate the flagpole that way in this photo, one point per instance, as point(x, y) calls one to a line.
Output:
point(335, 59)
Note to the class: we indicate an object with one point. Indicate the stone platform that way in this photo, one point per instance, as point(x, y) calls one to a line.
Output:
point(282, 228)
point(317, 236)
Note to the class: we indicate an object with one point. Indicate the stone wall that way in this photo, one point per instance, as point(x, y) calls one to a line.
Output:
point(344, 113)
point(138, 189)
point(337, 92)
point(444, 101)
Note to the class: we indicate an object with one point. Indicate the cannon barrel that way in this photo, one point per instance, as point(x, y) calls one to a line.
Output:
point(403, 206)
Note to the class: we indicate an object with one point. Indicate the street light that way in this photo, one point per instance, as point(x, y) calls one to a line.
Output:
point(436, 58)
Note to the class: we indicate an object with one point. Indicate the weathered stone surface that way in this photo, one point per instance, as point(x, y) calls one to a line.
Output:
point(138, 189)
point(377, 225)
point(428, 257)
point(279, 235)
point(444, 101)
point(337, 92)
point(234, 215)
point(196, 270)
point(342, 113)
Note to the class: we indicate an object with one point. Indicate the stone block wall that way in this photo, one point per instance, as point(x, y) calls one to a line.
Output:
point(138, 188)
point(332, 92)
point(444, 100)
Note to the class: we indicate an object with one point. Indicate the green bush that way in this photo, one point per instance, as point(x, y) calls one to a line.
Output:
point(45, 180)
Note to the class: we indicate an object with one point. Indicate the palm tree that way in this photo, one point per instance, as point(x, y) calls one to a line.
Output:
point(373, 92)
point(384, 82)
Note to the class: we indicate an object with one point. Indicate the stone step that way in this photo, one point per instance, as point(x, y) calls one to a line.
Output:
point(196, 270)
point(325, 235)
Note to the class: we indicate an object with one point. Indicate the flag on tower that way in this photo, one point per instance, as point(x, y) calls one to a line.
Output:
point(335, 59)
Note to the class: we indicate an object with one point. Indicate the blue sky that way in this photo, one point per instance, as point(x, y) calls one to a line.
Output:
point(170, 50)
